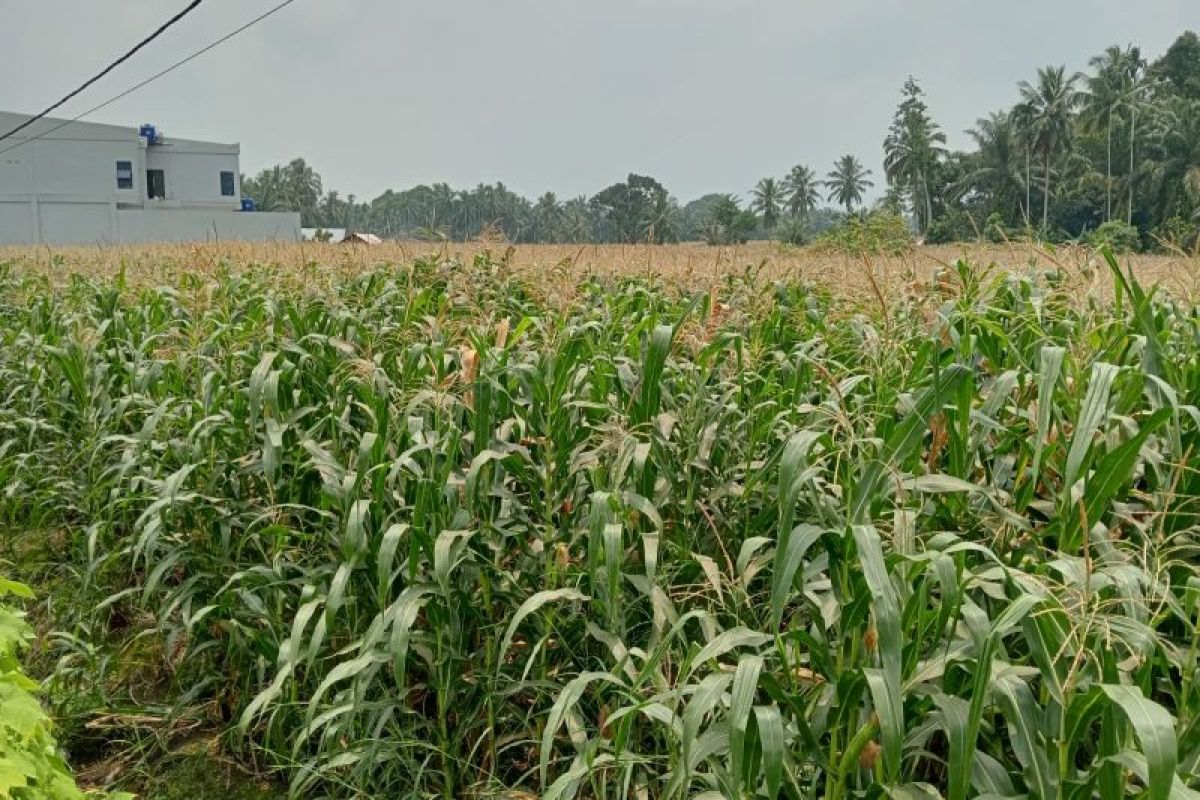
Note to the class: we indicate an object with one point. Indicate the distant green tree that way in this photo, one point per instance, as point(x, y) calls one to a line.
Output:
point(303, 187)
point(1179, 68)
point(801, 191)
point(695, 216)
point(662, 220)
point(993, 171)
point(547, 219)
point(577, 221)
point(1051, 104)
point(1105, 98)
point(912, 151)
point(1174, 179)
point(625, 207)
point(270, 190)
point(847, 181)
point(767, 201)
point(728, 222)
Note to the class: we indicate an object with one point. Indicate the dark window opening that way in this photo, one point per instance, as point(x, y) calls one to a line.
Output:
point(227, 184)
point(156, 183)
point(124, 174)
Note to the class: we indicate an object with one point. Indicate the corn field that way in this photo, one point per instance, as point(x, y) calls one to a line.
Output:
point(440, 529)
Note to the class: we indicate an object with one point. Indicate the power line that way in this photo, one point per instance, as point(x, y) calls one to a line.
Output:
point(153, 77)
point(191, 7)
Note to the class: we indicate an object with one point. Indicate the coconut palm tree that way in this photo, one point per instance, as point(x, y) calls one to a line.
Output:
point(303, 189)
point(1137, 96)
point(661, 221)
point(269, 188)
point(1051, 106)
point(768, 198)
point(546, 219)
point(995, 170)
point(1105, 98)
point(847, 181)
point(1022, 119)
point(1174, 173)
point(800, 191)
point(1118, 86)
point(578, 223)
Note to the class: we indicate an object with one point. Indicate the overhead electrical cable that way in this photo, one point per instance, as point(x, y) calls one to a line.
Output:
point(154, 77)
point(129, 53)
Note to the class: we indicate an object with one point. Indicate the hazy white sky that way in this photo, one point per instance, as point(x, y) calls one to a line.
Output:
point(706, 95)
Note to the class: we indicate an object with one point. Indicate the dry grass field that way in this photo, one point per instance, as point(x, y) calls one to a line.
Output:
point(690, 265)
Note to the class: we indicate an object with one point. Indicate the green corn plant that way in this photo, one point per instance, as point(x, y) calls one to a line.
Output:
point(447, 529)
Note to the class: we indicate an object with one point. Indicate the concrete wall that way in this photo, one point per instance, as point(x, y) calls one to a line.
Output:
point(82, 223)
point(18, 224)
point(78, 161)
point(194, 175)
point(105, 223)
point(75, 161)
point(62, 188)
point(195, 225)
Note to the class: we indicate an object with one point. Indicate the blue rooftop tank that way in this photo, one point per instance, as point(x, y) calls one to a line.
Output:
point(149, 133)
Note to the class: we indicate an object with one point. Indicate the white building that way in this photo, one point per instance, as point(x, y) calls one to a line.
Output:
point(87, 183)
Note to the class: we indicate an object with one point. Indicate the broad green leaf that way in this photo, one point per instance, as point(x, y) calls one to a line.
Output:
point(531, 605)
point(741, 701)
point(1023, 719)
point(1091, 415)
point(789, 555)
point(886, 684)
point(1050, 361)
point(1155, 729)
point(726, 641)
point(771, 737)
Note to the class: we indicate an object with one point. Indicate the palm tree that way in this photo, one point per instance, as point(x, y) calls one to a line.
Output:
point(847, 181)
point(912, 150)
point(995, 166)
point(1022, 119)
point(1104, 97)
point(1136, 91)
point(800, 191)
point(577, 220)
point(767, 200)
point(1050, 103)
point(303, 188)
point(269, 189)
point(1174, 177)
point(442, 201)
point(547, 219)
point(1114, 88)
point(661, 222)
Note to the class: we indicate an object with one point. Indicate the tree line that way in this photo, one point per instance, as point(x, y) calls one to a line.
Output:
point(1113, 151)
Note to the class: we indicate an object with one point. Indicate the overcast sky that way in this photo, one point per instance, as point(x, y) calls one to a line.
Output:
point(568, 95)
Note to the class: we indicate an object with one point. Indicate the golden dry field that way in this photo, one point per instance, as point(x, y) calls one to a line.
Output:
point(689, 265)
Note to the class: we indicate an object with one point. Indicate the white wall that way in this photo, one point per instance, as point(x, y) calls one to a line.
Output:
point(76, 223)
point(17, 222)
point(79, 223)
point(14, 173)
point(194, 178)
point(195, 225)
point(79, 161)
point(61, 188)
